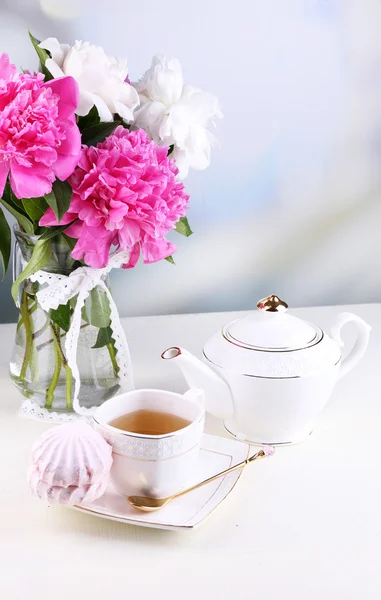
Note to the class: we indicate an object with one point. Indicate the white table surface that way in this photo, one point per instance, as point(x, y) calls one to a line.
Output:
point(303, 525)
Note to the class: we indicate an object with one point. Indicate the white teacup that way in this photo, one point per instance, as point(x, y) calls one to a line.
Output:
point(153, 465)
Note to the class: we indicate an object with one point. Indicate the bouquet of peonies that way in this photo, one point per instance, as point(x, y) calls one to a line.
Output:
point(91, 167)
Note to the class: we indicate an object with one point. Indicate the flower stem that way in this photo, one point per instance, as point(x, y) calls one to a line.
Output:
point(24, 309)
point(34, 361)
point(48, 342)
point(111, 351)
point(38, 333)
point(31, 311)
point(69, 385)
point(69, 376)
point(56, 375)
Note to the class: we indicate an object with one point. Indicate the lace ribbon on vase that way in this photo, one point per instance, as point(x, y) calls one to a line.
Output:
point(59, 289)
point(31, 410)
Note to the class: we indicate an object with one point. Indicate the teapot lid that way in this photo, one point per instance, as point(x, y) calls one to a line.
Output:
point(272, 329)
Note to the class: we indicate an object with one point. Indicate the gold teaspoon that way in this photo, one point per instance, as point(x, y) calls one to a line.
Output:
point(151, 504)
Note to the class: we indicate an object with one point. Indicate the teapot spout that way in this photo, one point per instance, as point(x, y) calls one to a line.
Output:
point(218, 397)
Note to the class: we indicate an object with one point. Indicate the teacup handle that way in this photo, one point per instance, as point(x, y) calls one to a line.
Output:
point(196, 395)
point(360, 344)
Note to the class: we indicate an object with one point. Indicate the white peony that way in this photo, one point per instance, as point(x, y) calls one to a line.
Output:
point(172, 113)
point(101, 78)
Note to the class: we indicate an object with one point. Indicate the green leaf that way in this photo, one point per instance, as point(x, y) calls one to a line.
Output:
point(98, 133)
point(53, 231)
point(170, 149)
point(182, 226)
point(71, 242)
point(46, 72)
point(5, 242)
point(61, 316)
point(104, 337)
point(39, 259)
point(70, 262)
point(59, 198)
point(97, 309)
point(92, 118)
point(43, 55)
point(170, 260)
point(16, 209)
point(35, 207)
point(30, 311)
point(122, 122)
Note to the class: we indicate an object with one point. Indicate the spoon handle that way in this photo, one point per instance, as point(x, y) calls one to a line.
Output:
point(259, 454)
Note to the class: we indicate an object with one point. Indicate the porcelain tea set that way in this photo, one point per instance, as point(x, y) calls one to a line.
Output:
point(267, 375)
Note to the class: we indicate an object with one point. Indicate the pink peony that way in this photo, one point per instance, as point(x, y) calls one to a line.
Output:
point(125, 194)
point(39, 138)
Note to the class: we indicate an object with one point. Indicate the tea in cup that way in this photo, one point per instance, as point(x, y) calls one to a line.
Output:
point(155, 436)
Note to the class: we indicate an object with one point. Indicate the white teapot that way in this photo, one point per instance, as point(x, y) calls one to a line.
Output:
point(269, 374)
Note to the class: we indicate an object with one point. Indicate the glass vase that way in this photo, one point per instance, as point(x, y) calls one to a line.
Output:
point(39, 366)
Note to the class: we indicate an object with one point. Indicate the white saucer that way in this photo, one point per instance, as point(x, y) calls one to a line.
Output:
point(188, 512)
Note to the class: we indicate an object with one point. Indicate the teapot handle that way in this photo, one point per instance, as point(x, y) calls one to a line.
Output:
point(360, 344)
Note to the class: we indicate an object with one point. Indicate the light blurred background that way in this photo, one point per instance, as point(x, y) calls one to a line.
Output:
point(291, 202)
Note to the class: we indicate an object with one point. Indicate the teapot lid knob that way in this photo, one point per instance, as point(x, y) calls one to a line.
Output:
point(272, 304)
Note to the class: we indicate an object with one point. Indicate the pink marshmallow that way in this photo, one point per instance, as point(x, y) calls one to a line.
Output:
point(70, 464)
